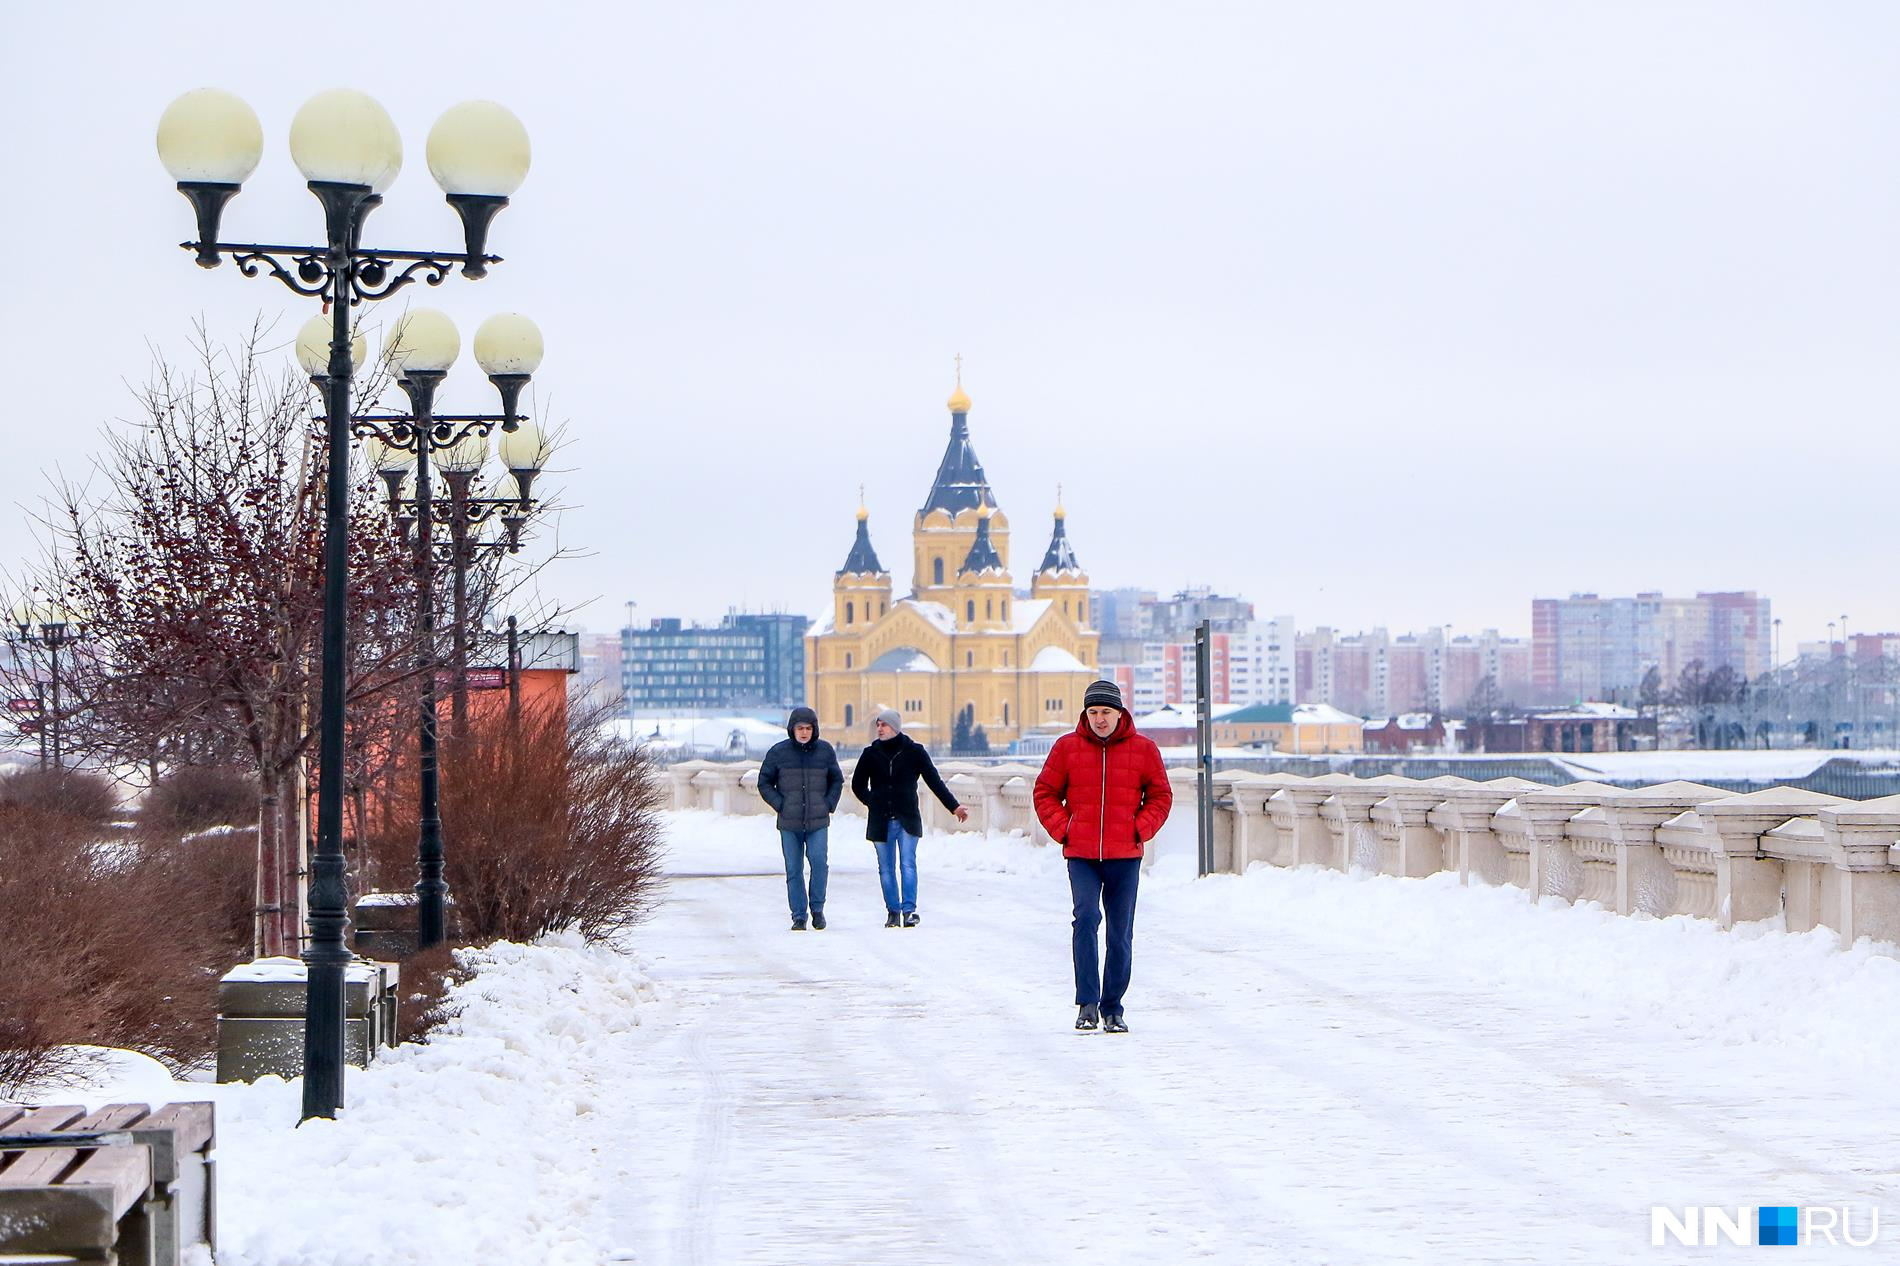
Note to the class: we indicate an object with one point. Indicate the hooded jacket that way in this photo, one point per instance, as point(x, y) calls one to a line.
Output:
point(1104, 799)
point(885, 782)
point(801, 781)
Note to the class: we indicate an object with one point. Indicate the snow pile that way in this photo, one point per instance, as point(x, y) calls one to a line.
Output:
point(485, 1137)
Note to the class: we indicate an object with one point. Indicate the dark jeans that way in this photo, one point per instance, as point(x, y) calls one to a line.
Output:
point(1096, 886)
point(799, 845)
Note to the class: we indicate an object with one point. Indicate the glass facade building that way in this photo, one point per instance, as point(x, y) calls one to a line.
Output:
point(745, 661)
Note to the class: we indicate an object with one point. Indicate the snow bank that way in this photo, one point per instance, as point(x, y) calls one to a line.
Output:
point(481, 1141)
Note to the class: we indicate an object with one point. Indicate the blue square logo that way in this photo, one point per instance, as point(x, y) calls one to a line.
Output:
point(1776, 1224)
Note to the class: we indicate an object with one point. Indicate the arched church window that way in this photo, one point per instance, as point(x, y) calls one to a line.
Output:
point(847, 659)
point(969, 659)
point(1006, 714)
point(847, 716)
point(1006, 608)
point(936, 571)
point(969, 611)
point(848, 610)
point(989, 609)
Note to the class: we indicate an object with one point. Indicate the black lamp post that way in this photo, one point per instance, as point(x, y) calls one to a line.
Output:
point(52, 627)
point(426, 344)
point(465, 510)
point(349, 151)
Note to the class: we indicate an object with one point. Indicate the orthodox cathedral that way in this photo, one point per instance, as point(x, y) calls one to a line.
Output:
point(963, 643)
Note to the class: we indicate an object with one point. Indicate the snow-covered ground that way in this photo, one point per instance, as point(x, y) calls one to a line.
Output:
point(1321, 1068)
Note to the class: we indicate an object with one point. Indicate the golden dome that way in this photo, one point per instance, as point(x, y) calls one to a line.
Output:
point(959, 401)
point(863, 514)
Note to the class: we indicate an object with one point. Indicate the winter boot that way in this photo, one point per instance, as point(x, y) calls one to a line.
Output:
point(1087, 1018)
point(798, 925)
point(890, 919)
point(818, 920)
point(1114, 1024)
point(910, 920)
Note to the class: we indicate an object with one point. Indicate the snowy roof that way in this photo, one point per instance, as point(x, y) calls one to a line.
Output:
point(902, 659)
point(935, 612)
point(1405, 721)
point(1590, 712)
point(1053, 659)
point(1026, 612)
point(1060, 556)
point(960, 483)
point(1323, 714)
point(862, 560)
point(982, 556)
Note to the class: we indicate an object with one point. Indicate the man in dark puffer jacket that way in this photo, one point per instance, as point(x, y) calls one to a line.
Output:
point(801, 780)
point(1103, 794)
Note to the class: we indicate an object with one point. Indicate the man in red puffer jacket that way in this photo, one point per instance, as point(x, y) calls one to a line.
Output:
point(1104, 794)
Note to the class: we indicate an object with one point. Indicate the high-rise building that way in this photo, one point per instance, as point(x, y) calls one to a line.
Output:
point(1587, 647)
point(746, 661)
point(1376, 674)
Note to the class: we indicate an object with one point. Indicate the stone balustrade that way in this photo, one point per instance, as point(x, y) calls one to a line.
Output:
point(1679, 848)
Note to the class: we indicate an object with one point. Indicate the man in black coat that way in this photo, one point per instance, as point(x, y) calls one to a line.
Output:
point(885, 782)
point(801, 780)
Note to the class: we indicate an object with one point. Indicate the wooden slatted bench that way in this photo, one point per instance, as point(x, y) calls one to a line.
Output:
point(42, 1168)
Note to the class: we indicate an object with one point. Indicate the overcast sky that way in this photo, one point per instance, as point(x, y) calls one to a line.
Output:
point(1376, 314)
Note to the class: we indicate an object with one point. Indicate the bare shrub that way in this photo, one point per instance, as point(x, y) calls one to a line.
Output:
point(77, 794)
point(427, 978)
point(548, 826)
point(113, 942)
point(194, 797)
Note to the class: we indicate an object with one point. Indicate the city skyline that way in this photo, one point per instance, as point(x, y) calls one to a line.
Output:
point(1359, 310)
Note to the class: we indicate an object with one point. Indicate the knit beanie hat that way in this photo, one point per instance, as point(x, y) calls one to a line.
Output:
point(1102, 694)
point(891, 717)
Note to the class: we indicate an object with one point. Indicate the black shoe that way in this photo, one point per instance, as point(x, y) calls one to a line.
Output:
point(910, 920)
point(1114, 1024)
point(1086, 1019)
point(818, 920)
point(798, 925)
point(890, 920)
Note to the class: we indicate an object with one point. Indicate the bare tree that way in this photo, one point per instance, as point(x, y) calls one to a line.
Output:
point(196, 568)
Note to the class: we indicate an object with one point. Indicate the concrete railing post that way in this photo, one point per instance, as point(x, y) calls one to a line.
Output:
point(1748, 880)
point(1417, 847)
point(1861, 837)
point(1645, 881)
point(1469, 813)
point(1556, 869)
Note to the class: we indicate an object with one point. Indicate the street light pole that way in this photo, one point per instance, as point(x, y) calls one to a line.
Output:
point(509, 348)
point(348, 150)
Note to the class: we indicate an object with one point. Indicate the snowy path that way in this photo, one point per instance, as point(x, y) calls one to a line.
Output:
point(1321, 1069)
point(1351, 1070)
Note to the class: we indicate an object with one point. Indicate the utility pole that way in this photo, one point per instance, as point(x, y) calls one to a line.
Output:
point(1204, 744)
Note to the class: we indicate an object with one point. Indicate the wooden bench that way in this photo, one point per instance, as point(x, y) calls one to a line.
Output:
point(124, 1184)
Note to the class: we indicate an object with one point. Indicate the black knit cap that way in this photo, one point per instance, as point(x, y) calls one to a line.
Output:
point(1102, 694)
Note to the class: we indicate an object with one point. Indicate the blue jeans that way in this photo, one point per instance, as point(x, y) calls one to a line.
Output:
point(799, 845)
point(898, 853)
point(1095, 885)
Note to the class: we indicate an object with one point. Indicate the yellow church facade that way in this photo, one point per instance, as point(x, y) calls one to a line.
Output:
point(963, 642)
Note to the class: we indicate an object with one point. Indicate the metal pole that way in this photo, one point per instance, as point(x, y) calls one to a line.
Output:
point(458, 544)
point(430, 887)
point(1204, 746)
point(514, 678)
point(39, 710)
point(52, 645)
point(325, 954)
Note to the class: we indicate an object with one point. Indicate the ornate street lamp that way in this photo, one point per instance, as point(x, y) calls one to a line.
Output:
point(51, 626)
point(418, 444)
point(349, 152)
